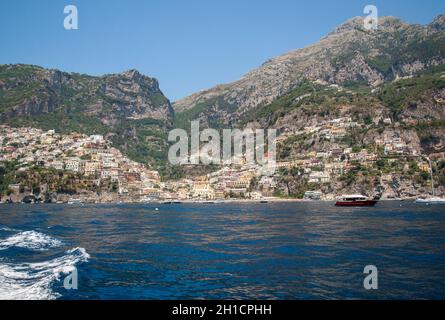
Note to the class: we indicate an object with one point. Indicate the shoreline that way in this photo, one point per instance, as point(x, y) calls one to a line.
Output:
point(203, 202)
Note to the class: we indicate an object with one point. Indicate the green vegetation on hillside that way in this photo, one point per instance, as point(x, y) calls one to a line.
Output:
point(183, 119)
point(304, 93)
point(400, 94)
point(35, 97)
point(7, 175)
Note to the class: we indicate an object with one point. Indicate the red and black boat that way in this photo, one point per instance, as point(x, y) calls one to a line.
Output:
point(355, 200)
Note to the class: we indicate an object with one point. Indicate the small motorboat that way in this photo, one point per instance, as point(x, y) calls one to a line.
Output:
point(74, 201)
point(146, 200)
point(355, 201)
point(433, 200)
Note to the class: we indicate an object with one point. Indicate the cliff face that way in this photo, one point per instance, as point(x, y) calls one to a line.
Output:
point(128, 108)
point(348, 55)
point(31, 91)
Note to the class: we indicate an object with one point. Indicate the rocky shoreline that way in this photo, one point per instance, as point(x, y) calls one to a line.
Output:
point(119, 199)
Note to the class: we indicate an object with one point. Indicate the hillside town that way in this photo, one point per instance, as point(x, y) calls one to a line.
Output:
point(103, 174)
point(89, 157)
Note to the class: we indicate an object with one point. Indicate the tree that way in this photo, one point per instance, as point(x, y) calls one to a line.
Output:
point(381, 163)
point(356, 149)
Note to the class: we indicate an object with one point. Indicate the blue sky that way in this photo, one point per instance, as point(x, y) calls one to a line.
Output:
point(188, 45)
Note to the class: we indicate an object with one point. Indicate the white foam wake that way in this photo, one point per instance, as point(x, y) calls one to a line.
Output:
point(33, 281)
point(7, 229)
point(30, 240)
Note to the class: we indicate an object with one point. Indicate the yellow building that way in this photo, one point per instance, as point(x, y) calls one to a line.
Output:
point(90, 167)
point(202, 190)
point(312, 154)
point(424, 166)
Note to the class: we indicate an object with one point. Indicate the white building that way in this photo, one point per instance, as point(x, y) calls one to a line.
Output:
point(58, 165)
point(72, 164)
point(319, 177)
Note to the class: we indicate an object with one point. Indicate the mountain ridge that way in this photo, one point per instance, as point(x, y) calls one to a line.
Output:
point(350, 72)
point(107, 86)
point(128, 108)
point(348, 53)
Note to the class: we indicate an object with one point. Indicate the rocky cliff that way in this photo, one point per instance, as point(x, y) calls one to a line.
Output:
point(349, 55)
point(30, 90)
point(128, 108)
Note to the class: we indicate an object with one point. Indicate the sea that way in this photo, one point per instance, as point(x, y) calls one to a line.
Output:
point(283, 250)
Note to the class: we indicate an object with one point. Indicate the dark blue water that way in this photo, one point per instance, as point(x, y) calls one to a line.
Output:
point(222, 251)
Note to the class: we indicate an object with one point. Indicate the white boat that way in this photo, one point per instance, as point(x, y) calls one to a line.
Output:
point(146, 200)
point(433, 200)
point(74, 201)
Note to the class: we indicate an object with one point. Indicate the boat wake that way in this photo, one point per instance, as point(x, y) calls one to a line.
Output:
point(30, 240)
point(7, 229)
point(34, 281)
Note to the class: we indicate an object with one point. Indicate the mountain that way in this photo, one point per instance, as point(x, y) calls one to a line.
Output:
point(350, 56)
point(396, 72)
point(128, 108)
point(30, 90)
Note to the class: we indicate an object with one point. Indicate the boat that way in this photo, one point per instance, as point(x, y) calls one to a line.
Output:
point(355, 200)
point(74, 201)
point(145, 200)
point(433, 199)
point(264, 201)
